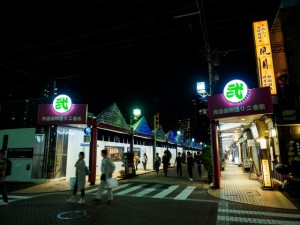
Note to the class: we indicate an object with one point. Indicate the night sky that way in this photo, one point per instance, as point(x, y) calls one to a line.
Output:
point(138, 53)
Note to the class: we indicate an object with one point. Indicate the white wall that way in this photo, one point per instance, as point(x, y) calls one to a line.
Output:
point(26, 138)
point(20, 138)
point(76, 145)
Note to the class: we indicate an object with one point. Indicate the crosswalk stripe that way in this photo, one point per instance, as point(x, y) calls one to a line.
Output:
point(248, 220)
point(251, 217)
point(166, 192)
point(19, 197)
point(114, 189)
point(126, 189)
point(147, 191)
point(185, 193)
point(130, 189)
point(13, 198)
point(244, 212)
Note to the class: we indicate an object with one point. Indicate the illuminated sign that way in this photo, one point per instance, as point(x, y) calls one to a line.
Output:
point(254, 130)
point(267, 183)
point(48, 115)
point(62, 103)
point(235, 91)
point(264, 55)
point(62, 111)
point(258, 101)
point(87, 131)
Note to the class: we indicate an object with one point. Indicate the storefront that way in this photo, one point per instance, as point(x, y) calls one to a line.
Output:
point(238, 104)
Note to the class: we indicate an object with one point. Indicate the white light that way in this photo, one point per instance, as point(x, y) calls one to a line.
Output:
point(136, 112)
point(201, 89)
point(200, 86)
point(273, 132)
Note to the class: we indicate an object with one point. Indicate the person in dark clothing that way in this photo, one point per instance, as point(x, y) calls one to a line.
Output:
point(178, 163)
point(3, 189)
point(165, 162)
point(190, 165)
point(157, 161)
point(198, 163)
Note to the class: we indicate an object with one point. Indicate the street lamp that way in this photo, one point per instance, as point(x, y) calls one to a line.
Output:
point(133, 119)
point(179, 137)
point(201, 89)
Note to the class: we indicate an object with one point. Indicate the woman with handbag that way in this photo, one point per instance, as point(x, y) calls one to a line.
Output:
point(80, 179)
point(107, 169)
point(145, 160)
point(136, 160)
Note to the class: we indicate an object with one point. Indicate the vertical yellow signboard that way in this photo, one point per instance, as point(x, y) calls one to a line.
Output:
point(264, 55)
point(267, 183)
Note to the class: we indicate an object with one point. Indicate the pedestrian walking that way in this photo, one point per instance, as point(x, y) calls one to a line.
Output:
point(198, 161)
point(190, 165)
point(80, 180)
point(157, 162)
point(136, 160)
point(107, 169)
point(3, 175)
point(145, 160)
point(178, 164)
point(165, 162)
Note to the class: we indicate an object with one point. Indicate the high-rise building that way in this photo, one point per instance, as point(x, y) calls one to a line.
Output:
point(200, 124)
point(185, 127)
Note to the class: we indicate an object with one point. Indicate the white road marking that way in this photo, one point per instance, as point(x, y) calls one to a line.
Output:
point(166, 192)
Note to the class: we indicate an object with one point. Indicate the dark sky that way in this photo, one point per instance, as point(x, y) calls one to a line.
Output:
point(137, 53)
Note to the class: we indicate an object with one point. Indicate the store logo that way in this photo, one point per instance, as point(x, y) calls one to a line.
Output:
point(62, 103)
point(235, 91)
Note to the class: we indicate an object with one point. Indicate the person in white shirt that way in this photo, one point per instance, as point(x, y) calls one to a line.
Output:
point(107, 169)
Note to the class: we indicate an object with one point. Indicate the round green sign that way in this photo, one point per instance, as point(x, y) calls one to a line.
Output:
point(235, 91)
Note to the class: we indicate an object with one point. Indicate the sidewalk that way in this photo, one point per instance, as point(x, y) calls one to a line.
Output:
point(236, 186)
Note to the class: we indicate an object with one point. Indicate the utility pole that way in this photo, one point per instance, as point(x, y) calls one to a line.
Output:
point(154, 141)
point(210, 75)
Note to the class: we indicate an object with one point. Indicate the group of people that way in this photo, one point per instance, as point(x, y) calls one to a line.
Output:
point(165, 160)
point(136, 161)
point(190, 160)
point(107, 169)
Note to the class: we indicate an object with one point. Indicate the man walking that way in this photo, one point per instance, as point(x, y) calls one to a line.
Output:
point(198, 163)
point(178, 163)
point(190, 165)
point(107, 169)
point(165, 162)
